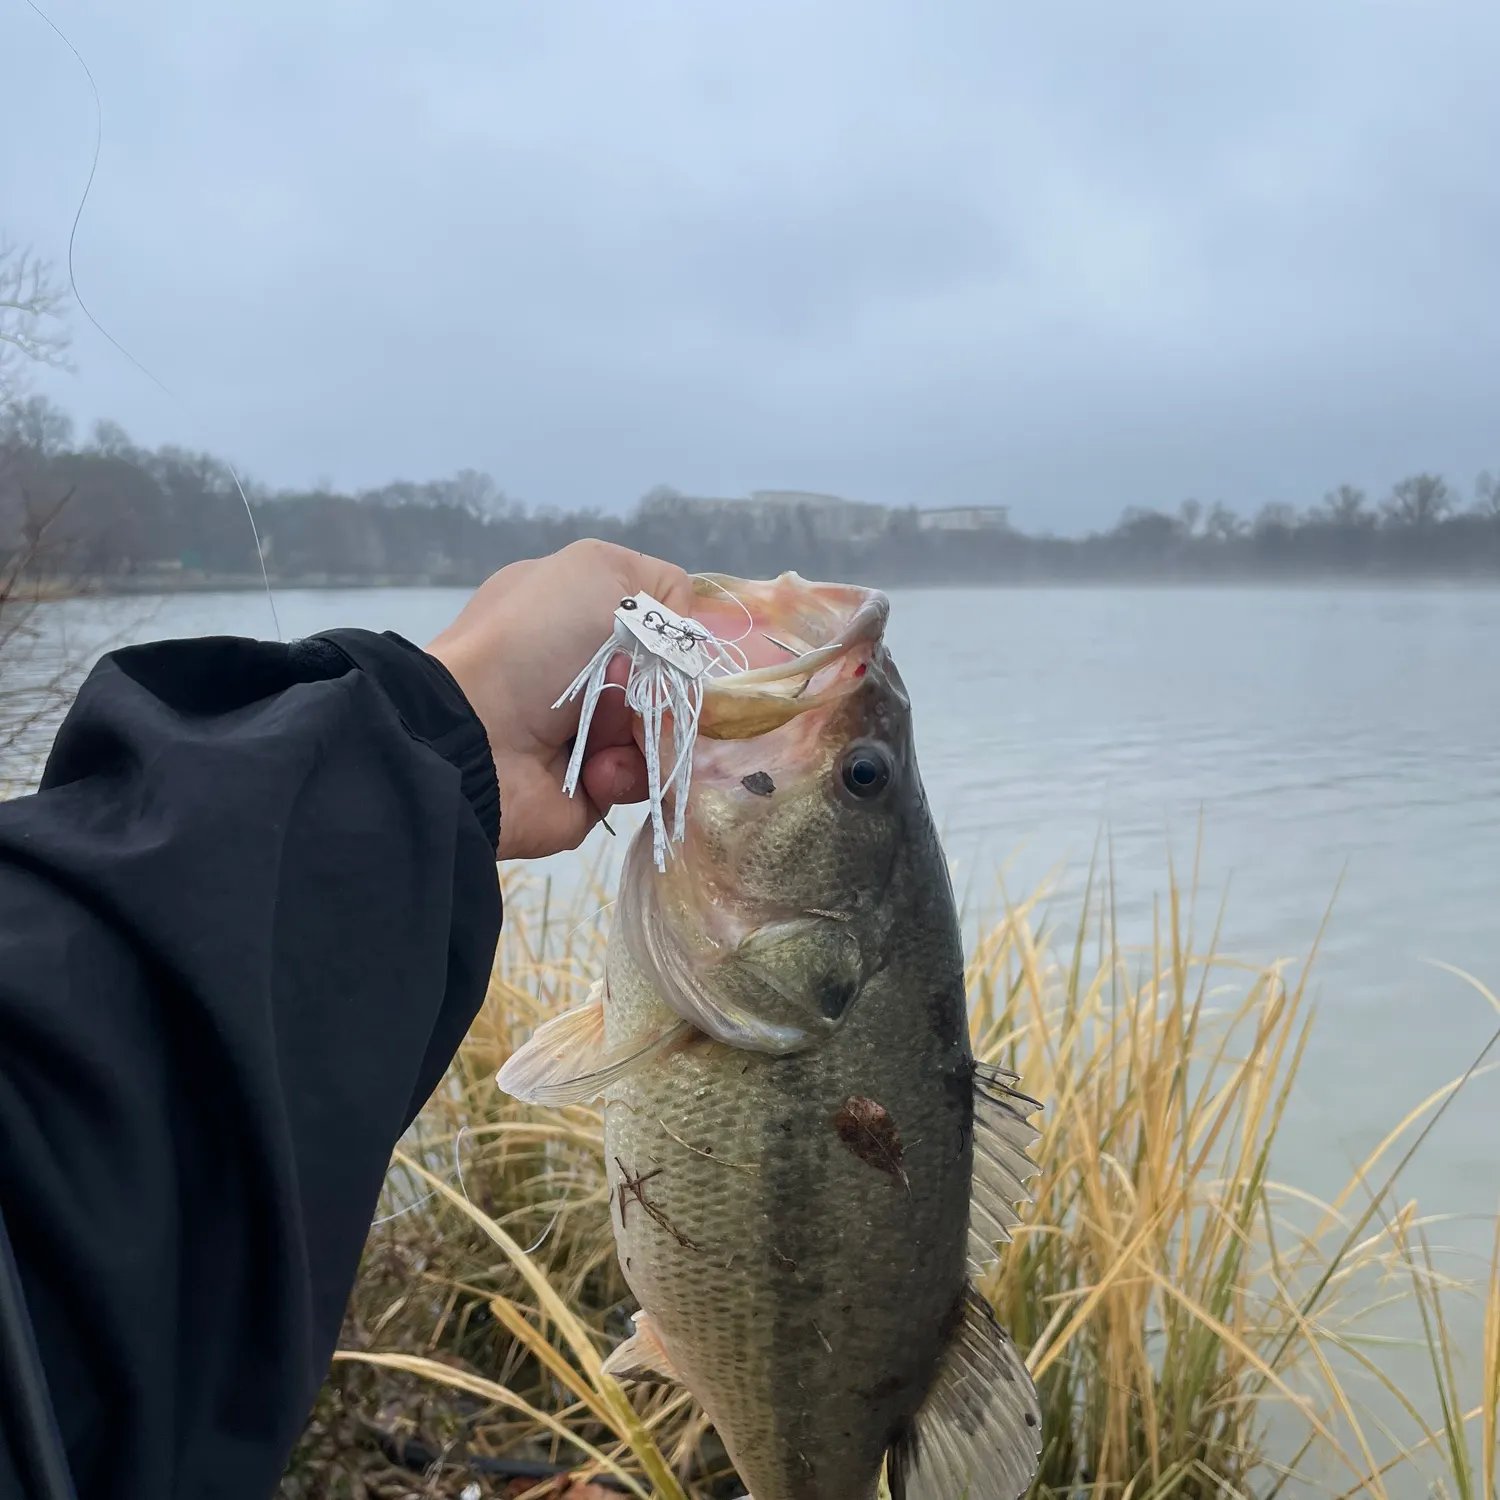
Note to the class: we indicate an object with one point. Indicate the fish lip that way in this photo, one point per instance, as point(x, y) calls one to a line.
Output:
point(868, 611)
point(744, 704)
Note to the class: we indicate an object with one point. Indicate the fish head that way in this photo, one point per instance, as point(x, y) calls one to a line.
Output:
point(804, 765)
point(773, 911)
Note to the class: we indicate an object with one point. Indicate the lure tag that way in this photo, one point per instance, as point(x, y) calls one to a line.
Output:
point(664, 633)
point(670, 655)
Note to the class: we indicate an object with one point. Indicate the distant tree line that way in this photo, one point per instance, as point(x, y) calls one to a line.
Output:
point(153, 516)
point(36, 675)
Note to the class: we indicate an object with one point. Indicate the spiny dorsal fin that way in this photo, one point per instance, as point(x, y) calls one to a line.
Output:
point(1002, 1134)
point(642, 1356)
point(566, 1062)
point(979, 1432)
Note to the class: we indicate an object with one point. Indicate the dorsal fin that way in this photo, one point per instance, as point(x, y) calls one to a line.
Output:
point(642, 1356)
point(1003, 1133)
point(979, 1433)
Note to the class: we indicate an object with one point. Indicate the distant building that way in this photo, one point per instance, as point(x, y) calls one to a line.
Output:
point(966, 518)
point(833, 518)
point(829, 517)
point(708, 508)
point(812, 502)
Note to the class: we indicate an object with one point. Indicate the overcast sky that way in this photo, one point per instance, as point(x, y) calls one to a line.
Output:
point(1067, 257)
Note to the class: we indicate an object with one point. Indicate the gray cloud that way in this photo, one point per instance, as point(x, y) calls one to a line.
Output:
point(1066, 257)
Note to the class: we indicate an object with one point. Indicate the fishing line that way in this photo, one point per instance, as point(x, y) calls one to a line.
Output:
point(750, 623)
point(458, 1169)
point(532, 1249)
point(402, 1212)
point(592, 917)
point(171, 395)
point(744, 610)
point(458, 1166)
point(458, 1172)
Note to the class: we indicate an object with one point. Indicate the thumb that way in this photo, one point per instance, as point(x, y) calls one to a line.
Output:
point(552, 821)
point(614, 776)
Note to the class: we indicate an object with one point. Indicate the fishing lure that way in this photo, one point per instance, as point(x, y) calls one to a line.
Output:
point(670, 656)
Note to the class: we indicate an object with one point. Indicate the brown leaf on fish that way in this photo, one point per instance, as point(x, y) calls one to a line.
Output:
point(868, 1130)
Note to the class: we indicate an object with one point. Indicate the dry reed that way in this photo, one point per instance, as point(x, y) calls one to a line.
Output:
point(1196, 1328)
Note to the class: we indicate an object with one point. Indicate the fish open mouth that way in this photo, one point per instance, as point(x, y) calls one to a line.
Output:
point(806, 645)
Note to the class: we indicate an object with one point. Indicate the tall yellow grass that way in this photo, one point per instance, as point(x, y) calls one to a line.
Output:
point(1196, 1327)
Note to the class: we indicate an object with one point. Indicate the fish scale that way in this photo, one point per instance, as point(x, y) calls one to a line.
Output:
point(803, 1293)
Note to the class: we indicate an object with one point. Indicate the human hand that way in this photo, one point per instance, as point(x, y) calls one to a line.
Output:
point(515, 647)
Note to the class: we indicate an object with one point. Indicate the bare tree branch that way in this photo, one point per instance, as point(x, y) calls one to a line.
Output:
point(37, 672)
point(33, 308)
point(1419, 500)
point(1487, 494)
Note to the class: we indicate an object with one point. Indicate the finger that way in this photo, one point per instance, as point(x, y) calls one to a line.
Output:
point(623, 729)
point(613, 722)
point(674, 588)
point(536, 818)
point(665, 582)
point(616, 723)
point(635, 734)
point(614, 777)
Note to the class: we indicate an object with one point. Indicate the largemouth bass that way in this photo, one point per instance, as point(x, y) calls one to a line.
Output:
point(804, 1156)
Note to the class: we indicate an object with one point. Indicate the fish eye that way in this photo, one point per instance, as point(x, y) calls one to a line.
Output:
point(867, 770)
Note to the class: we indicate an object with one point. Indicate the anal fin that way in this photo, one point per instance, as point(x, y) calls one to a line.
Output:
point(979, 1432)
point(566, 1061)
point(642, 1356)
point(1003, 1133)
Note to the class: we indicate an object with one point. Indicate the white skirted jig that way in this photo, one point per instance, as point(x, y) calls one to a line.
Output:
point(670, 655)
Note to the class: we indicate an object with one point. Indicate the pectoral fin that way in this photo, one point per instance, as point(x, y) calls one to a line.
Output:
point(979, 1432)
point(641, 1356)
point(566, 1060)
point(1002, 1134)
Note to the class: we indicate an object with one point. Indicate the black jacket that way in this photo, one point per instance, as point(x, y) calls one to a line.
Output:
point(244, 925)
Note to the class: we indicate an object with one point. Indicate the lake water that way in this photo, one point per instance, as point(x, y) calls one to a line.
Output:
point(1320, 734)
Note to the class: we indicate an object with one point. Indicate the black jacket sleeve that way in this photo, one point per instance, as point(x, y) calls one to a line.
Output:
point(244, 925)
